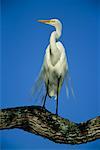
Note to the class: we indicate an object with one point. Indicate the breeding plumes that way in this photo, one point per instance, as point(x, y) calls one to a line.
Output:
point(55, 66)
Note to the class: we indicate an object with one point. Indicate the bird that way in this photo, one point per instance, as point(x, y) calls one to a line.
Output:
point(55, 68)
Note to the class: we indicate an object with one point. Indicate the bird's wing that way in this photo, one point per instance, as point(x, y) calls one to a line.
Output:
point(38, 89)
point(64, 69)
point(62, 62)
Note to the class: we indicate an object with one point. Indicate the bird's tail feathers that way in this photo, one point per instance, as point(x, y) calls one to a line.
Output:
point(69, 85)
point(38, 89)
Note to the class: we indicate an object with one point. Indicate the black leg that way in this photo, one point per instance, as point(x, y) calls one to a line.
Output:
point(46, 95)
point(44, 100)
point(57, 96)
point(57, 106)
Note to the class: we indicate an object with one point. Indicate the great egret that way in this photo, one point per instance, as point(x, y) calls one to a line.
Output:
point(55, 67)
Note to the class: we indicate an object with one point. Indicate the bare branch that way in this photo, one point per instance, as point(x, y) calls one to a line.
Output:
point(40, 121)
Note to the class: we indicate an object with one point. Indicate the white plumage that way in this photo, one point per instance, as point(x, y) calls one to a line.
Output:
point(55, 66)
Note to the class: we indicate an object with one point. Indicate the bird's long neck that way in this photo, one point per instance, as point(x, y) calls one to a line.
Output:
point(55, 35)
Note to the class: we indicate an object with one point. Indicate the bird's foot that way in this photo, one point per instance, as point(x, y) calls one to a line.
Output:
point(56, 114)
point(43, 106)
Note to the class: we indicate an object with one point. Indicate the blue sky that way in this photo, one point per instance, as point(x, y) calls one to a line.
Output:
point(24, 41)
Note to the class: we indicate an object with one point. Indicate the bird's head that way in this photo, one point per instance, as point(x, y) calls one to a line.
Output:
point(53, 22)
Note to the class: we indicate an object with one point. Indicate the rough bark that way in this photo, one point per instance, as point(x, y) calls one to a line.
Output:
point(40, 121)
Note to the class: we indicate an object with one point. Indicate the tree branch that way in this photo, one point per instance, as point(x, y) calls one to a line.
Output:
point(40, 121)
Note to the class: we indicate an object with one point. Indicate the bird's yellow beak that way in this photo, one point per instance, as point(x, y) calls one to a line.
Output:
point(45, 21)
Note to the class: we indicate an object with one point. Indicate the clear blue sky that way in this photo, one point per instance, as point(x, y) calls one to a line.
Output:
point(23, 47)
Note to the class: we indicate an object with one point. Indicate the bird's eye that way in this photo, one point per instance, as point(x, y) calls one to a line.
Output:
point(52, 21)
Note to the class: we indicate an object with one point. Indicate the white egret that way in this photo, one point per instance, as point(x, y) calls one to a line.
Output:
point(55, 67)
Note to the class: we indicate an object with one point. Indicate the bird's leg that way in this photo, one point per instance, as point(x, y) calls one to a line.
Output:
point(44, 100)
point(46, 95)
point(57, 95)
